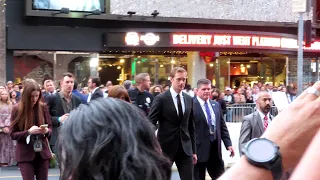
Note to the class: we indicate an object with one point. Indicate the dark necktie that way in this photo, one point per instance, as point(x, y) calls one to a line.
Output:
point(179, 107)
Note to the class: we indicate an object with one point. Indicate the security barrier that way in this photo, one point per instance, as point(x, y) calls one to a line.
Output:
point(236, 112)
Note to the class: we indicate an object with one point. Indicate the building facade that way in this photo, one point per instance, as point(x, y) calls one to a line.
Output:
point(225, 41)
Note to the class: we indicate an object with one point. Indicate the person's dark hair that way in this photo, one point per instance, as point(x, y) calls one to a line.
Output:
point(96, 80)
point(75, 85)
point(110, 139)
point(187, 87)
point(10, 94)
point(203, 82)
point(218, 92)
point(68, 75)
point(27, 113)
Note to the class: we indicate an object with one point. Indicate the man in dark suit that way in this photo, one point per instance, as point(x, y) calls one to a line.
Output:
point(173, 111)
point(254, 125)
point(61, 104)
point(210, 129)
point(49, 88)
point(93, 84)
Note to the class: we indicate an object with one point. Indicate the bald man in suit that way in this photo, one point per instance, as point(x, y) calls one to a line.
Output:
point(254, 125)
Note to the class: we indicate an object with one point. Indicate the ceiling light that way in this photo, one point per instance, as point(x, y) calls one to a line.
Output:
point(121, 60)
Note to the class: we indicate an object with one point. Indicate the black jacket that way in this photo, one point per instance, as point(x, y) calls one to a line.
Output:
point(171, 131)
point(202, 130)
point(54, 103)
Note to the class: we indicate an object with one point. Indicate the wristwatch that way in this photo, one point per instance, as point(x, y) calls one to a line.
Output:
point(263, 153)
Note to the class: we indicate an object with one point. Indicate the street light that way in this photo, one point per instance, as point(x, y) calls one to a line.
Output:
point(94, 62)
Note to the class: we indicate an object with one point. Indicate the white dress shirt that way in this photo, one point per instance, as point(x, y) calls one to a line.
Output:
point(262, 115)
point(175, 101)
point(213, 116)
point(90, 94)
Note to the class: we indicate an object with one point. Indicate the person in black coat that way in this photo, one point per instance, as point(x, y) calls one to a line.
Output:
point(61, 104)
point(210, 129)
point(173, 110)
point(94, 83)
point(216, 96)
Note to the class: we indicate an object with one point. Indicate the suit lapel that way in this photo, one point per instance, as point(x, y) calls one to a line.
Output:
point(186, 105)
point(171, 104)
point(199, 109)
point(257, 118)
point(74, 102)
point(59, 103)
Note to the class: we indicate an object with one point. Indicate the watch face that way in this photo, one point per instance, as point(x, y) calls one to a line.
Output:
point(261, 150)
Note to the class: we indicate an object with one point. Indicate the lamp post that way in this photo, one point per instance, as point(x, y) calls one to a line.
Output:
point(94, 63)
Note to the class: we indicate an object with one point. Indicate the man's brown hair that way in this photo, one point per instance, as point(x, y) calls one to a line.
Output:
point(67, 74)
point(176, 70)
point(141, 77)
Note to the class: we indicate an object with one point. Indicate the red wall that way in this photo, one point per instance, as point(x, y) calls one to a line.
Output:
point(24, 65)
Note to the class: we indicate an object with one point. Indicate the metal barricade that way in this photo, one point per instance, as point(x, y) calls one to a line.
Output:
point(236, 114)
point(252, 105)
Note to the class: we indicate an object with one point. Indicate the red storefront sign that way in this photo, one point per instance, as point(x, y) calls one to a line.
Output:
point(211, 40)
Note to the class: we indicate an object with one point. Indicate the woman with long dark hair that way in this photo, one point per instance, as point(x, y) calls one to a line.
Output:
point(110, 139)
point(31, 126)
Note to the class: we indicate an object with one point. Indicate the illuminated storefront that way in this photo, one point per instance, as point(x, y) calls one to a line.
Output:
point(230, 57)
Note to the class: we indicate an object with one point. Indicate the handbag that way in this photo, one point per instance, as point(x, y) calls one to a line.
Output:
point(53, 158)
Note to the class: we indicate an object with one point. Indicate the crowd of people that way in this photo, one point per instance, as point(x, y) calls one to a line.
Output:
point(97, 136)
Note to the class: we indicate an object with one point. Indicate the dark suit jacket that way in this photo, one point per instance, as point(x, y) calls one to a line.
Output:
point(171, 131)
point(56, 110)
point(97, 94)
point(203, 133)
point(24, 151)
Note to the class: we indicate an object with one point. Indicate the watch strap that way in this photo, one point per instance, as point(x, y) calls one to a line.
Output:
point(277, 169)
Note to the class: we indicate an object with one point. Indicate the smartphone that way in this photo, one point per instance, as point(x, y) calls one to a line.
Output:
point(43, 126)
